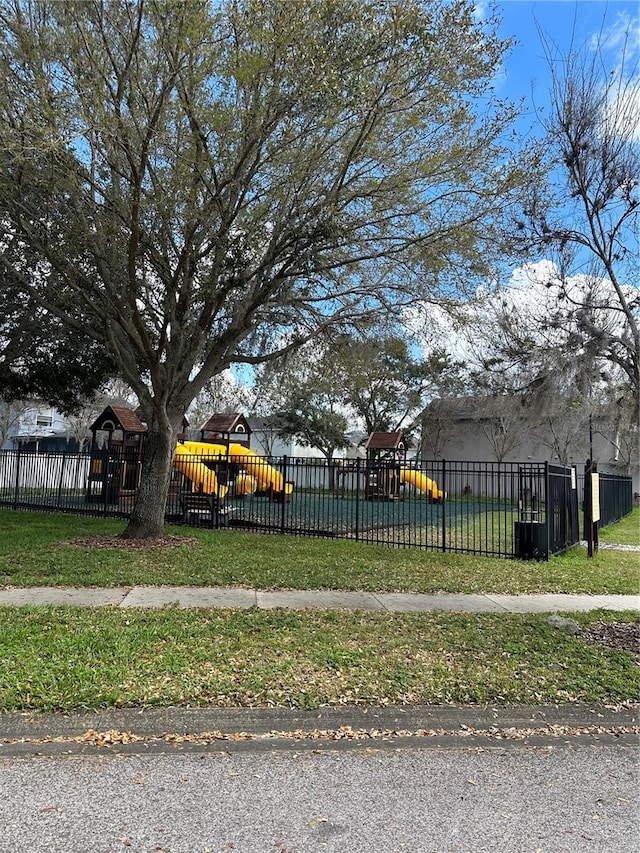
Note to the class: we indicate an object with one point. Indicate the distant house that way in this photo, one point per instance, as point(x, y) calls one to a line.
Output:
point(478, 429)
point(266, 441)
point(37, 427)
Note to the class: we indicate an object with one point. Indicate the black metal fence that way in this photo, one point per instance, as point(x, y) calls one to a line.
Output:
point(527, 510)
point(616, 497)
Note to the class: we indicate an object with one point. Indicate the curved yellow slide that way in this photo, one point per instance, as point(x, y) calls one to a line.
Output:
point(264, 474)
point(424, 484)
point(189, 465)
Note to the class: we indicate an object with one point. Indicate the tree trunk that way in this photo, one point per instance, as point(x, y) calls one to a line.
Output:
point(147, 517)
point(331, 469)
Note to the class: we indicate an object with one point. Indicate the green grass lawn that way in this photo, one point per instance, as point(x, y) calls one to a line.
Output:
point(64, 658)
point(623, 532)
point(34, 552)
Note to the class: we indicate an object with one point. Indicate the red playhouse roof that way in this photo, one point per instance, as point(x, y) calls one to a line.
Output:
point(385, 441)
point(125, 419)
point(226, 424)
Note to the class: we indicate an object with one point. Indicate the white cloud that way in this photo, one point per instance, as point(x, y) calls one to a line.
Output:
point(623, 35)
point(481, 10)
point(619, 43)
point(533, 291)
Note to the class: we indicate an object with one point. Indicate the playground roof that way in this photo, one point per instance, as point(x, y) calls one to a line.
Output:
point(226, 423)
point(384, 441)
point(126, 419)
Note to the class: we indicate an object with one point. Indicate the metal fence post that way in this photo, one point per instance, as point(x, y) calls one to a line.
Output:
point(444, 504)
point(17, 482)
point(105, 482)
point(357, 519)
point(590, 525)
point(501, 510)
point(61, 481)
point(549, 514)
point(284, 494)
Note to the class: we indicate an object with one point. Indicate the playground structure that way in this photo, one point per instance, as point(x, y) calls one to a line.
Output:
point(211, 472)
point(422, 483)
point(118, 439)
point(387, 470)
point(219, 470)
point(249, 473)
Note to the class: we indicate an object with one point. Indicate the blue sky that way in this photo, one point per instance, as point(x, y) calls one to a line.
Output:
point(526, 73)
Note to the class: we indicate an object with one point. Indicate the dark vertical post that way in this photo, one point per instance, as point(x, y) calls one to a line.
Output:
point(549, 510)
point(500, 511)
point(444, 504)
point(105, 482)
point(357, 519)
point(17, 484)
point(590, 525)
point(62, 464)
point(596, 522)
point(284, 494)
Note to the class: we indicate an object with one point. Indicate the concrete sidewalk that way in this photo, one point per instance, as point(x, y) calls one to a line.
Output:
point(239, 598)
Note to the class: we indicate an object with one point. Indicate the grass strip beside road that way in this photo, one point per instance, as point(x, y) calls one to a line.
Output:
point(66, 659)
point(34, 551)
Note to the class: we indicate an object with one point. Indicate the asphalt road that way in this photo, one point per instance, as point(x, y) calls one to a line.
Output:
point(451, 799)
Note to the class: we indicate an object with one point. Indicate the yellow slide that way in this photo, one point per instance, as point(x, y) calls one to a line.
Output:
point(189, 465)
point(424, 484)
point(264, 474)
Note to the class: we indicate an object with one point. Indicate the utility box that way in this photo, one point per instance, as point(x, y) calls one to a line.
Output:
point(530, 540)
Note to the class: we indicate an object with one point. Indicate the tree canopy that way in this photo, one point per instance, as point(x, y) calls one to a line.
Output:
point(192, 185)
point(384, 383)
point(40, 357)
point(568, 339)
point(586, 215)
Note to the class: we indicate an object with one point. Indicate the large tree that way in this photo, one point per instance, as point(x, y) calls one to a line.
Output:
point(586, 216)
point(304, 399)
point(384, 382)
point(196, 184)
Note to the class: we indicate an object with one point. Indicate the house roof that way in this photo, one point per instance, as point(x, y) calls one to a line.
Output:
point(473, 408)
point(269, 424)
point(384, 441)
point(226, 423)
point(125, 419)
